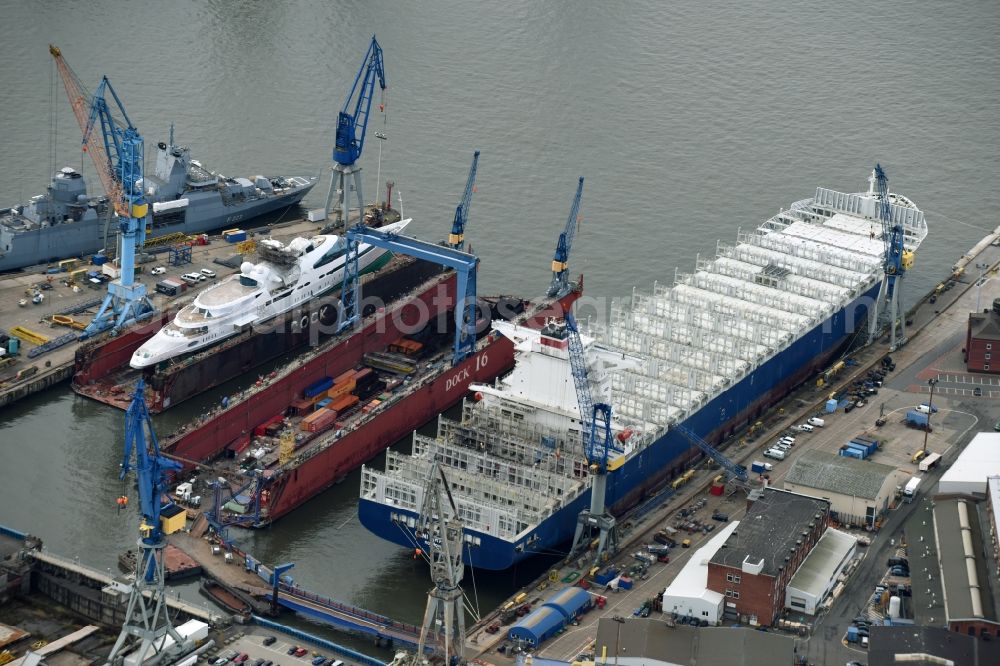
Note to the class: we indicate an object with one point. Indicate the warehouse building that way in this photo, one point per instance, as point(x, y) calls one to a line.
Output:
point(859, 491)
point(979, 461)
point(755, 564)
point(890, 646)
point(551, 617)
point(815, 579)
point(648, 642)
point(982, 340)
point(967, 568)
point(688, 595)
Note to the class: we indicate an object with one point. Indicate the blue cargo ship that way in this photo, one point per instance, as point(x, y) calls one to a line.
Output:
point(711, 352)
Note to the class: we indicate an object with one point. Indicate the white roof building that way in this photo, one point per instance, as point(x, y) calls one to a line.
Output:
point(979, 460)
point(689, 594)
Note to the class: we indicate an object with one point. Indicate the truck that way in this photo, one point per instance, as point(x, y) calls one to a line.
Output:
point(758, 467)
point(929, 462)
point(918, 420)
point(910, 490)
point(816, 422)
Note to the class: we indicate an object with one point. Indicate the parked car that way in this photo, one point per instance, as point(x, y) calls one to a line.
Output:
point(300, 651)
point(721, 517)
point(293, 649)
point(159, 270)
point(318, 659)
point(270, 640)
point(242, 657)
point(208, 272)
point(805, 427)
point(978, 391)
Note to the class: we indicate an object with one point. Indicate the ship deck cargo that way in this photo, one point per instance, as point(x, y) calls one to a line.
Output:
point(284, 474)
point(711, 353)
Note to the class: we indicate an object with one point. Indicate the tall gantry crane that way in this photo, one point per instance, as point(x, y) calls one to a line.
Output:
point(560, 262)
point(457, 237)
point(147, 621)
point(896, 262)
point(117, 152)
point(351, 125)
point(444, 617)
point(597, 444)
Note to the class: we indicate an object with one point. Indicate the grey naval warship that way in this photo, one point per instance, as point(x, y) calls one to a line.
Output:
point(186, 197)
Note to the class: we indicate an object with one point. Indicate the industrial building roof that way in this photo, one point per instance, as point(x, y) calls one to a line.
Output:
point(965, 573)
point(692, 581)
point(537, 625)
point(822, 562)
point(770, 529)
point(839, 474)
point(979, 460)
point(642, 640)
point(569, 601)
point(888, 644)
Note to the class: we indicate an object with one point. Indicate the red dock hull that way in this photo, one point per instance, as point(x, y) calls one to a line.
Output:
point(294, 485)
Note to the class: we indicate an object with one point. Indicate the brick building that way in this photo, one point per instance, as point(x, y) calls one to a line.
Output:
point(754, 566)
point(982, 340)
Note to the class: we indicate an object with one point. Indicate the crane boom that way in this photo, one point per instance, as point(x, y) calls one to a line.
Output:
point(352, 123)
point(457, 237)
point(736, 471)
point(560, 261)
point(895, 262)
point(82, 103)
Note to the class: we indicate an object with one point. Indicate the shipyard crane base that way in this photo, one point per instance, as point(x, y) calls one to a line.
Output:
point(587, 525)
point(340, 182)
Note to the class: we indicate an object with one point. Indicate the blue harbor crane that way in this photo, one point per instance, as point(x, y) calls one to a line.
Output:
point(597, 444)
point(463, 263)
point(457, 237)
point(352, 121)
point(146, 619)
point(117, 152)
point(560, 262)
point(896, 261)
point(738, 472)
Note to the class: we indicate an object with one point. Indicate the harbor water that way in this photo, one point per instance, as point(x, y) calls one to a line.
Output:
point(687, 122)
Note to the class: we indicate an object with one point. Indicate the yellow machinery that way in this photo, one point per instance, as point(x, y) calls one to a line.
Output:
point(246, 247)
point(29, 335)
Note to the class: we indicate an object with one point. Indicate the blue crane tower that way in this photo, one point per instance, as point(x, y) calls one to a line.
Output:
point(117, 152)
point(147, 622)
point(457, 237)
point(896, 261)
point(350, 138)
point(597, 444)
point(560, 262)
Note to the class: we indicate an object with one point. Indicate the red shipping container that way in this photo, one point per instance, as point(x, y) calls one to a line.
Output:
point(301, 405)
point(318, 420)
point(261, 430)
point(341, 388)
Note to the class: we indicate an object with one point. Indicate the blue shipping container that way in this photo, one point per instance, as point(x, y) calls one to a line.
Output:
point(869, 447)
point(848, 452)
point(860, 449)
point(318, 387)
point(322, 403)
point(831, 406)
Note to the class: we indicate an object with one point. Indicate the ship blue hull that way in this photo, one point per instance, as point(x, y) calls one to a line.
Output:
point(205, 212)
point(666, 458)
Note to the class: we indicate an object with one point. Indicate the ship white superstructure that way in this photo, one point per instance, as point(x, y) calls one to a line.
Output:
point(287, 277)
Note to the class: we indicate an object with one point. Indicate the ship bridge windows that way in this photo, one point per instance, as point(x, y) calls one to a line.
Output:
point(337, 252)
point(246, 281)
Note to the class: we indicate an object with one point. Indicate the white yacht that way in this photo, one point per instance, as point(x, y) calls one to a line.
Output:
point(286, 277)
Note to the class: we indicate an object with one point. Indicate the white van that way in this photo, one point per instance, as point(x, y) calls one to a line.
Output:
point(775, 453)
point(805, 427)
point(192, 278)
point(816, 422)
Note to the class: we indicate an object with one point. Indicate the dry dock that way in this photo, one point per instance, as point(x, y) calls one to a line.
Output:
point(25, 375)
